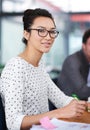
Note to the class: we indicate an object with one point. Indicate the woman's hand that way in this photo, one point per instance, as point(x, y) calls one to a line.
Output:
point(88, 106)
point(74, 109)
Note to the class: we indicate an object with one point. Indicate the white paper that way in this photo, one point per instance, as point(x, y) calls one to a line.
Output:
point(64, 125)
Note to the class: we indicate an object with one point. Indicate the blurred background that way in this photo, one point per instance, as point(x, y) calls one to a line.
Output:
point(72, 19)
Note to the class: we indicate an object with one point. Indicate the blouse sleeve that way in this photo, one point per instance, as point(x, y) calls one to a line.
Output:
point(56, 96)
point(12, 89)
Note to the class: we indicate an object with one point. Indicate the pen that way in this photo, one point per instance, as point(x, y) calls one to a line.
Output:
point(75, 96)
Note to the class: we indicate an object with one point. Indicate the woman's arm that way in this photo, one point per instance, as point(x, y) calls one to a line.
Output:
point(73, 109)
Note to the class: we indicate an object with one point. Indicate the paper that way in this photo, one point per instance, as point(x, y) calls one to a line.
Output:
point(64, 125)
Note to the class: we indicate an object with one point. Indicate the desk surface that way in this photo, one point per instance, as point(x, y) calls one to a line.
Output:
point(85, 118)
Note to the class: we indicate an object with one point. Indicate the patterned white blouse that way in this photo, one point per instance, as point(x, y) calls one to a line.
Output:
point(26, 90)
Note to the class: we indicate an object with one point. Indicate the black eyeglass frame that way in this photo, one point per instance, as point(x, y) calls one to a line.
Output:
point(48, 31)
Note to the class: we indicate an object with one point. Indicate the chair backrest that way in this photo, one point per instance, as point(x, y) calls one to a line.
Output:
point(2, 116)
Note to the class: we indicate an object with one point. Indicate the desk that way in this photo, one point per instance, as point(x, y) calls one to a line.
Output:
point(85, 118)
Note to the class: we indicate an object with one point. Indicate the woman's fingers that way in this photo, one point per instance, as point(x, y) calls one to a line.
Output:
point(78, 107)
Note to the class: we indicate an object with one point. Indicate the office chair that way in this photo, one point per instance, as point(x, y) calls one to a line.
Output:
point(2, 116)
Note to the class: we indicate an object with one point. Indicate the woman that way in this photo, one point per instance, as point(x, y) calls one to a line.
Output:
point(26, 86)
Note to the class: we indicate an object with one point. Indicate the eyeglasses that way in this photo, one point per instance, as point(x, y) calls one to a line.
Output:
point(44, 32)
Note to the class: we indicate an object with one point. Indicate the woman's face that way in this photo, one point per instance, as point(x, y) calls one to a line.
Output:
point(40, 40)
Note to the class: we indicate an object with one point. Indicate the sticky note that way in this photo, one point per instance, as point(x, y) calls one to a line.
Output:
point(45, 123)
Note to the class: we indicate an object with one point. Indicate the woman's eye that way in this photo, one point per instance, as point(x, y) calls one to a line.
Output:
point(41, 30)
point(53, 32)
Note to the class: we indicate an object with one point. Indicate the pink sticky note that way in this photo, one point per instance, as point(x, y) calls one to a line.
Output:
point(45, 123)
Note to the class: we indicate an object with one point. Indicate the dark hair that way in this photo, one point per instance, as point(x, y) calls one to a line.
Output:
point(86, 36)
point(30, 15)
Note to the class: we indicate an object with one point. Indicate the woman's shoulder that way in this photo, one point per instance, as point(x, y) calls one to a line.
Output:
point(14, 63)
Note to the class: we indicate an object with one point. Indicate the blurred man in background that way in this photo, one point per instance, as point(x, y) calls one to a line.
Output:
point(75, 76)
